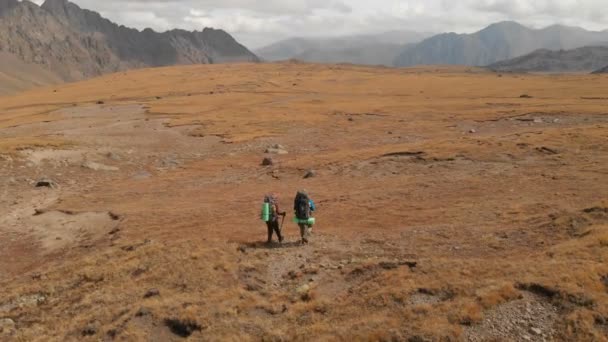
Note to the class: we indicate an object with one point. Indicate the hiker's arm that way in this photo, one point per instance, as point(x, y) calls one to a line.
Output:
point(278, 211)
point(312, 206)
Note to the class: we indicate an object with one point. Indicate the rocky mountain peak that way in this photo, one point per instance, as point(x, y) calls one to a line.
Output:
point(7, 4)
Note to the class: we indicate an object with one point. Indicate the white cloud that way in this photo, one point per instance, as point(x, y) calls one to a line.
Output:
point(256, 22)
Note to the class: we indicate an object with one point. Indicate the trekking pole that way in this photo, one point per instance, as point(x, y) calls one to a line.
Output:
point(283, 221)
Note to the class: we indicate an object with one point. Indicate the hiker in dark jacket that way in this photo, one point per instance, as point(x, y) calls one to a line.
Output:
point(303, 207)
point(273, 223)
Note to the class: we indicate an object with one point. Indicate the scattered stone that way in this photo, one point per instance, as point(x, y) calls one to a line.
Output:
point(294, 275)
point(547, 150)
point(89, 330)
point(100, 102)
point(46, 183)
point(304, 292)
point(169, 163)
point(113, 156)
point(536, 331)
point(555, 120)
point(7, 325)
point(387, 265)
point(276, 149)
point(526, 338)
point(141, 175)
point(351, 119)
point(525, 96)
point(267, 161)
point(310, 174)
point(538, 120)
point(98, 167)
point(143, 312)
point(472, 130)
point(152, 293)
point(182, 328)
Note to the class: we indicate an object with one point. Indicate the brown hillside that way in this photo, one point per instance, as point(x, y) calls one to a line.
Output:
point(16, 75)
point(453, 204)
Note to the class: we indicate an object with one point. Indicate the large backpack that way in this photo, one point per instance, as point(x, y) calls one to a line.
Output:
point(302, 206)
point(271, 201)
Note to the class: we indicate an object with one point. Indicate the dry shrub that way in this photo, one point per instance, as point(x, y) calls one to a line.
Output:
point(467, 314)
point(498, 295)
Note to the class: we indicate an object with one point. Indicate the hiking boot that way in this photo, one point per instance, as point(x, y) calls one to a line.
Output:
point(281, 239)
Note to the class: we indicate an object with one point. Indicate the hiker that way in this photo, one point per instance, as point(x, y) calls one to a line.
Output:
point(304, 207)
point(270, 214)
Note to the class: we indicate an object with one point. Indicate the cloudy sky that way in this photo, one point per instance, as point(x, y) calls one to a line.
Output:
point(259, 22)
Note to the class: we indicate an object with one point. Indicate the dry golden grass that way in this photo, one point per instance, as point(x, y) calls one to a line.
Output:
point(497, 198)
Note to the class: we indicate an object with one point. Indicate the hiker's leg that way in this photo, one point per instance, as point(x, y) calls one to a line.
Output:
point(277, 229)
point(306, 233)
point(302, 231)
point(270, 228)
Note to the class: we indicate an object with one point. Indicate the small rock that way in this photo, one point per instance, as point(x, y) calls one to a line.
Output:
point(525, 96)
point(143, 312)
point(267, 161)
point(89, 330)
point(555, 120)
point(310, 174)
point(152, 293)
point(46, 183)
point(538, 120)
point(141, 175)
point(113, 156)
point(526, 338)
point(7, 325)
point(472, 130)
point(304, 292)
point(351, 119)
point(536, 331)
point(98, 167)
point(277, 149)
point(100, 102)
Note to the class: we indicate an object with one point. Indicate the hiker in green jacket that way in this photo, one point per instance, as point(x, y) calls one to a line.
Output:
point(303, 207)
point(272, 218)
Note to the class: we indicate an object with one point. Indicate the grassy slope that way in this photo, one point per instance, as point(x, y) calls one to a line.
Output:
point(483, 214)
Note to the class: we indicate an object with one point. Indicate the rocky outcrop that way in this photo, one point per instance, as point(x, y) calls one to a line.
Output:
point(77, 43)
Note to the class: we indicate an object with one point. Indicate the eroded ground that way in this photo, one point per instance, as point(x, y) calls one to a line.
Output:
point(451, 207)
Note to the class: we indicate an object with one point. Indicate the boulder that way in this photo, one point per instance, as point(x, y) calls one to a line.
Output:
point(7, 325)
point(267, 161)
point(276, 149)
point(310, 174)
point(46, 183)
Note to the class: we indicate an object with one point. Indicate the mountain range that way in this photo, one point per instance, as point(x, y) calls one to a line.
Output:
point(497, 42)
point(585, 59)
point(603, 70)
point(373, 49)
point(75, 43)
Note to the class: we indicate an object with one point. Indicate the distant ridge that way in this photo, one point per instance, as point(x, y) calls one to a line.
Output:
point(373, 49)
point(603, 70)
point(582, 59)
point(497, 42)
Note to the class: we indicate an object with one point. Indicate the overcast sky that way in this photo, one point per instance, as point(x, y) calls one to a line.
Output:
point(259, 22)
